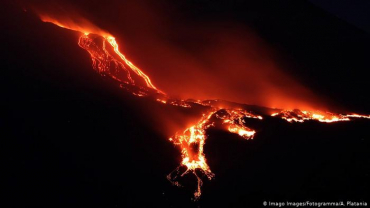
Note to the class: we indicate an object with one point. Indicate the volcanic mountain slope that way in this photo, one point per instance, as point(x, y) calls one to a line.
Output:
point(74, 139)
point(191, 140)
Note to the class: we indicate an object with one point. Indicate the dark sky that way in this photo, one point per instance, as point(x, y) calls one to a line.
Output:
point(354, 12)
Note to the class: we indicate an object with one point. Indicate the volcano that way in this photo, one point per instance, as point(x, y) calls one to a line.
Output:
point(75, 137)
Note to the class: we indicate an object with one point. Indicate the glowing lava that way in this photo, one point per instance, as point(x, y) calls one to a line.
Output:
point(107, 64)
point(108, 61)
point(326, 117)
point(195, 136)
point(114, 44)
point(103, 61)
point(192, 160)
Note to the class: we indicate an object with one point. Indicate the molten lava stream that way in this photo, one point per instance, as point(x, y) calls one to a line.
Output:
point(194, 158)
point(326, 117)
point(108, 61)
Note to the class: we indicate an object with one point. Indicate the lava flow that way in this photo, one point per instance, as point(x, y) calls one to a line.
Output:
point(103, 61)
point(326, 117)
point(108, 65)
point(193, 158)
point(108, 61)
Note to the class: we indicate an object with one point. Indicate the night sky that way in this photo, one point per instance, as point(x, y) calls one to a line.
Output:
point(74, 139)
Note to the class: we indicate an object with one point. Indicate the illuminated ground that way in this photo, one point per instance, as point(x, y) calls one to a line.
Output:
point(74, 139)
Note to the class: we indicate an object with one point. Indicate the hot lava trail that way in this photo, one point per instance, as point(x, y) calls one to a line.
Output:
point(193, 158)
point(108, 61)
point(116, 67)
point(326, 117)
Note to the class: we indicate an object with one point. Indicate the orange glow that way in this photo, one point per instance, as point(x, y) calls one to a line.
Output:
point(108, 61)
point(78, 24)
point(234, 120)
point(101, 58)
point(326, 117)
point(196, 135)
point(193, 159)
point(357, 116)
point(180, 103)
point(162, 101)
point(114, 44)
